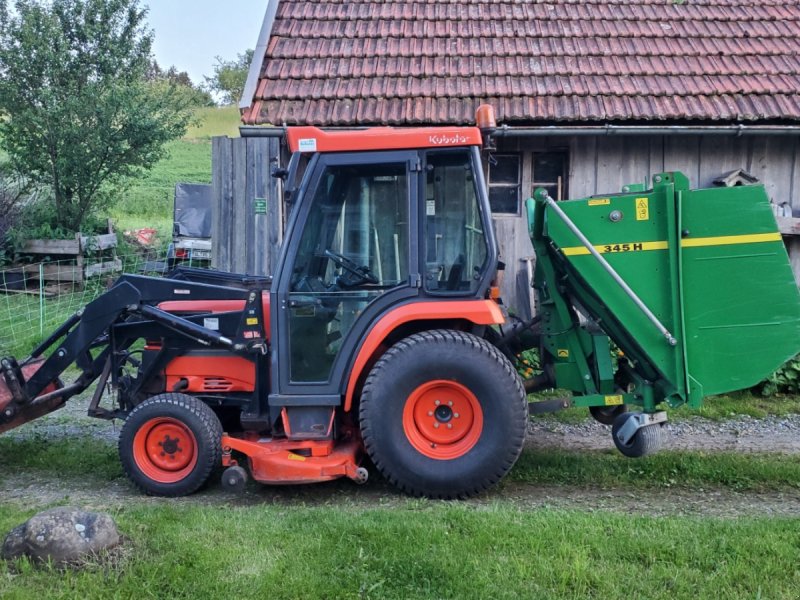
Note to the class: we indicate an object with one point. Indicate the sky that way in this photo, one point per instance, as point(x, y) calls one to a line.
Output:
point(190, 33)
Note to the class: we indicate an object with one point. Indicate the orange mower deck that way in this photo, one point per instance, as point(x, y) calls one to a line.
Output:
point(286, 462)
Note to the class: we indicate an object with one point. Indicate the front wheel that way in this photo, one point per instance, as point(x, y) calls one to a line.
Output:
point(170, 444)
point(443, 414)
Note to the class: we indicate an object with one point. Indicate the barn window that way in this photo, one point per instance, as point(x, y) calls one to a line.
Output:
point(505, 183)
point(550, 171)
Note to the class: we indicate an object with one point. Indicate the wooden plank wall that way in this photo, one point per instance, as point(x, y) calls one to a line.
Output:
point(242, 241)
point(603, 164)
point(600, 165)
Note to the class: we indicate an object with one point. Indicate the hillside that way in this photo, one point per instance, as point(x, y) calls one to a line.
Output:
point(148, 201)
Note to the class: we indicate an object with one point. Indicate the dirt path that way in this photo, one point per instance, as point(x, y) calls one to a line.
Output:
point(41, 491)
point(774, 434)
point(743, 434)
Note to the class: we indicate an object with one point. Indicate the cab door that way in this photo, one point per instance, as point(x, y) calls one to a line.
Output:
point(349, 257)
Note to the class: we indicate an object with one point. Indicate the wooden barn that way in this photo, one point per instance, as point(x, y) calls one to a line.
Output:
point(590, 96)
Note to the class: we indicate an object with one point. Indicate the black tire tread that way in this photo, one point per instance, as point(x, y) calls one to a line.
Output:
point(647, 440)
point(445, 337)
point(605, 415)
point(211, 434)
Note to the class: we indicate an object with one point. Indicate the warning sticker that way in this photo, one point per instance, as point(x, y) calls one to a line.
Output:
point(293, 456)
point(252, 321)
point(613, 400)
point(307, 145)
point(211, 323)
point(430, 208)
point(599, 201)
point(642, 209)
point(563, 353)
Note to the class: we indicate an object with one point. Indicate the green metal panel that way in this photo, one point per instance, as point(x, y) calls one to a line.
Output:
point(740, 297)
point(710, 266)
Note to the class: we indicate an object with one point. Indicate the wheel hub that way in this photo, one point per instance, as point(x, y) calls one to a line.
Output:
point(165, 449)
point(443, 414)
point(170, 445)
point(442, 419)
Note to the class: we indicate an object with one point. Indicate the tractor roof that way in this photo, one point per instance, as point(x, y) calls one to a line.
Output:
point(313, 139)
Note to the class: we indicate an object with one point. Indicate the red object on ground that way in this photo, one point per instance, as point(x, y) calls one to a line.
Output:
point(145, 236)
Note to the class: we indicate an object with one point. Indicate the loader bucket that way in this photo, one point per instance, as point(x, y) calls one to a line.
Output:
point(16, 411)
point(709, 264)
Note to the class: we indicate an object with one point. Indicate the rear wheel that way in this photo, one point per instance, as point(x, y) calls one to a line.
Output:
point(443, 414)
point(170, 444)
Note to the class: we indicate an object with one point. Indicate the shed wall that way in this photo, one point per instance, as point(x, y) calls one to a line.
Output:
point(245, 238)
point(604, 164)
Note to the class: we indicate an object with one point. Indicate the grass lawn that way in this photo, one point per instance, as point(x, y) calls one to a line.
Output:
point(424, 550)
point(95, 459)
point(293, 545)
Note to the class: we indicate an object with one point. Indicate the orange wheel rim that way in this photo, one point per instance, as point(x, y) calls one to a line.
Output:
point(165, 450)
point(442, 419)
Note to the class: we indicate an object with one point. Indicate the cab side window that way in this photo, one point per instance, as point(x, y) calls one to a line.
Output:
point(455, 242)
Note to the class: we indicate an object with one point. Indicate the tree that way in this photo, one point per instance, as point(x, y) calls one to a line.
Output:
point(197, 95)
point(230, 77)
point(79, 113)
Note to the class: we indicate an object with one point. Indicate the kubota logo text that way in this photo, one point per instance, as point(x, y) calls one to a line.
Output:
point(447, 140)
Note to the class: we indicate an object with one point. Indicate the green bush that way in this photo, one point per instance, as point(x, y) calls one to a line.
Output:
point(785, 380)
point(38, 220)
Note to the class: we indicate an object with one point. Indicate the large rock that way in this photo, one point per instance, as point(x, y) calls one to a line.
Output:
point(62, 535)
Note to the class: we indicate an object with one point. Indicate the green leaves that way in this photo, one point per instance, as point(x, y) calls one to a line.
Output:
point(80, 115)
point(785, 380)
point(230, 77)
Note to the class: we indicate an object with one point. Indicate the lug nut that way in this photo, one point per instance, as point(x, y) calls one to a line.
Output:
point(456, 415)
point(450, 403)
point(449, 425)
point(436, 402)
point(436, 426)
point(430, 413)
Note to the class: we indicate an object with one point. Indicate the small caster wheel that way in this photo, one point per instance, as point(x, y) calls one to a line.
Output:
point(607, 414)
point(234, 479)
point(646, 440)
point(361, 476)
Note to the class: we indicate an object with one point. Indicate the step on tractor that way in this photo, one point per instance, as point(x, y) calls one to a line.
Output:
point(381, 333)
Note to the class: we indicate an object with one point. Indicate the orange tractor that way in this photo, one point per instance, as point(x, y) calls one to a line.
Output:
point(381, 332)
point(372, 335)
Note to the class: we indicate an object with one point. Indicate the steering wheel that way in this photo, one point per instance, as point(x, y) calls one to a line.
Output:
point(360, 274)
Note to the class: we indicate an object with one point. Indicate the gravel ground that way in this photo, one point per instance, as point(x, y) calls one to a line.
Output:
point(743, 434)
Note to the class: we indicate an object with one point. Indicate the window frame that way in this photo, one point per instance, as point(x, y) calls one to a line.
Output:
point(562, 186)
point(490, 186)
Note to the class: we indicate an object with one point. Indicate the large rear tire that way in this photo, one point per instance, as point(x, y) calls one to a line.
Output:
point(443, 414)
point(170, 444)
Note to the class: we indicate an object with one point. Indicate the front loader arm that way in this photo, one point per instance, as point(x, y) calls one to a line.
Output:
point(32, 388)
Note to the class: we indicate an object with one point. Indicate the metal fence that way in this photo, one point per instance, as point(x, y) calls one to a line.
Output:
point(37, 298)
